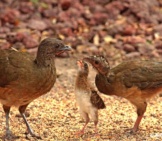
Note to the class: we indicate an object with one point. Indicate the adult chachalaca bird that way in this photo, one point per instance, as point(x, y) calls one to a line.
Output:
point(88, 100)
point(24, 78)
point(137, 81)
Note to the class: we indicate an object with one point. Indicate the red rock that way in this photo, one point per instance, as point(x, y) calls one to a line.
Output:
point(50, 13)
point(5, 45)
point(65, 4)
point(30, 42)
point(10, 16)
point(129, 30)
point(133, 55)
point(37, 24)
point(100, 18)
point(11, 37)
point(66, 31)
point(129, 48)
point(26, 7)
point(158, 29)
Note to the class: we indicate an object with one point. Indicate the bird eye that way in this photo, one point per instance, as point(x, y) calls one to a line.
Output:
point(96, 62)
point(85, 65)
point(57, 46)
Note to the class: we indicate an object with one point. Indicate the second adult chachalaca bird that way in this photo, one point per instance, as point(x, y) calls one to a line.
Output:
point(88, 100)
point(24, 78)
point(137, 81)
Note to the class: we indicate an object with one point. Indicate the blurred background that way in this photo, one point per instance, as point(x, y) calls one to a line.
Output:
point(114, 28)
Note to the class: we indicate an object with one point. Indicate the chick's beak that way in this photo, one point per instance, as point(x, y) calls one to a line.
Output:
point(80, 63)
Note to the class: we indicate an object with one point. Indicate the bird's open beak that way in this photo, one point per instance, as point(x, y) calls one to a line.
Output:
point(63, 49)
point(80, 63)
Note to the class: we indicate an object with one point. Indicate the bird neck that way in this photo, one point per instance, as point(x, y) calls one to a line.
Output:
point(43, 60)
point(103, 85)
point(82, 81)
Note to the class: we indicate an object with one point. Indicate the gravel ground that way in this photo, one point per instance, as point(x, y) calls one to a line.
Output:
point(55, 116)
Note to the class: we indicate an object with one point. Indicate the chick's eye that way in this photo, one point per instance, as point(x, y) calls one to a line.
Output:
point(85, 65)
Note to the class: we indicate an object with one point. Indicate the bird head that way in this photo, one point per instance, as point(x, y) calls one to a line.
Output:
point(100, 63)
point(83, 67)
point(51, 47)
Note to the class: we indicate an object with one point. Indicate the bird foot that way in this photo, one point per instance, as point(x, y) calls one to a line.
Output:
point(79, 133)
point(97, 135)
point(9, 136)
point(29, 135)
point(131, 131)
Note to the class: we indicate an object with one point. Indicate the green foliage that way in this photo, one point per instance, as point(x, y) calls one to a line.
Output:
point(42, 4)
point(35, 1)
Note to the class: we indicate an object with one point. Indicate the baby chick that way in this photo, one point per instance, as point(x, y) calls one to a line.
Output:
point(88, 100)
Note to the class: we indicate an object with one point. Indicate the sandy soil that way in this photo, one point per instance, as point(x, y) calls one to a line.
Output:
point(55, 116)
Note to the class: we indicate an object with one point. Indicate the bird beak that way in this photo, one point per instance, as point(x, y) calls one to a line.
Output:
point(80, 63)
point(65, 48)
point(87, 59)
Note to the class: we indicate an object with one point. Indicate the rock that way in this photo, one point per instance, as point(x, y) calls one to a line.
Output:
point(145, 48)
point(30, 42)
point(37, 24)
point(129, 29)
point(100, 18)
point(158, 44)
point(11, 37)
point(5, 45)
point(133, 55)
point(26, 7)
point(65, 4)
point(113, 9)
point(50, 13)
point(10, 16)
point(19, 46)
point(115, 29)
point(158, 29)
point(129, 48)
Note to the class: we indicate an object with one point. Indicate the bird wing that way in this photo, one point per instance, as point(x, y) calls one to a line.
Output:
point(12, 65)
point(96, 100)
point(143, 74)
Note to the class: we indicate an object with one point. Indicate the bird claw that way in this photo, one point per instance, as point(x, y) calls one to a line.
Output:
point(79, 133)
point(130, 131)
point(97, 135)
point(9, 136)
point(29, 135)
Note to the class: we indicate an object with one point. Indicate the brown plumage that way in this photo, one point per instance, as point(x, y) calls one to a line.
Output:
point(24, 78)
point(96, 100)
point(87, 98)
point(136, 81)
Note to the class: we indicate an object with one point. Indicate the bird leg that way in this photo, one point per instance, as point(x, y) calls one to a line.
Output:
point(96, 130)
point(86, 117)
point(22, 112)
point(136, 125)
point(140, 112)
point(7, 111)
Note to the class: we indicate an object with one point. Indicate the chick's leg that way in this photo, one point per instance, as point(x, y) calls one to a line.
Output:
point(7, 111)
point(86, 118)
point(22, 112)
point(94, 116)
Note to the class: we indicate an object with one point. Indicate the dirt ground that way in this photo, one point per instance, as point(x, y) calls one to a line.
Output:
point(55, 116)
